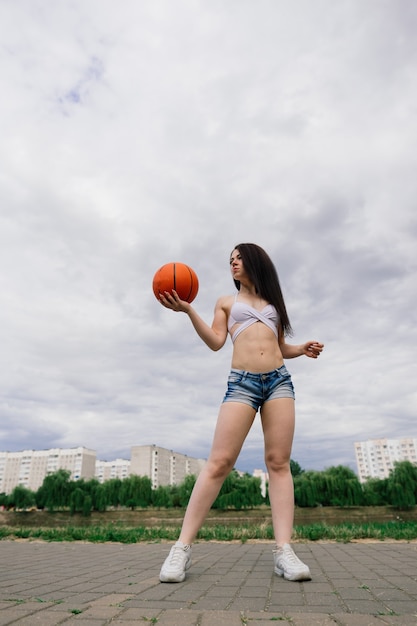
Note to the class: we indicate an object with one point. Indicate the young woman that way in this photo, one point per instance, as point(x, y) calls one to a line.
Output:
point(257, 321)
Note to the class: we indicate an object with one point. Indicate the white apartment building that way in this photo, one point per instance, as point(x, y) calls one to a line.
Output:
point(29, 467)
point(119, 468)
point(164, 467)
point(375, 458)
point(264, 476)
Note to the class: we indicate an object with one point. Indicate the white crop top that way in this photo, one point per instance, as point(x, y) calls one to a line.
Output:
point(245, 315)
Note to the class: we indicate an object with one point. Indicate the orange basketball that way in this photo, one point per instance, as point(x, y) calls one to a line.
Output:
point(176, 276)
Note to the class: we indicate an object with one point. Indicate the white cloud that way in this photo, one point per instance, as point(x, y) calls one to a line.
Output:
point(159, 131)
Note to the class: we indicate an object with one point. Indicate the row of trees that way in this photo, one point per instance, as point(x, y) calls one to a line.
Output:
point(58, 492)
point(339, 486)
point(335, 486)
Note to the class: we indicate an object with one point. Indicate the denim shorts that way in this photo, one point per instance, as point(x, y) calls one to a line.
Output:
point(255, 389)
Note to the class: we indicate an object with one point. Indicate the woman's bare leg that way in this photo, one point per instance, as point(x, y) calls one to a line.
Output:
point(233, 424)
point(278, 420)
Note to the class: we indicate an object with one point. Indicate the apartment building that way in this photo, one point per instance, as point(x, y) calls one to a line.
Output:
point(264, 476)
point(29, 467)
point(164, 467)
point(375, 458)
point(119, 468)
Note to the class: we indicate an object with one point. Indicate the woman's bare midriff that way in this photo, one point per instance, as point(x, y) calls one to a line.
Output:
point(256, 349)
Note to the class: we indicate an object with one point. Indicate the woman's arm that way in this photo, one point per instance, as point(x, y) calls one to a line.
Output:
point(214, 336)
point(311, 349)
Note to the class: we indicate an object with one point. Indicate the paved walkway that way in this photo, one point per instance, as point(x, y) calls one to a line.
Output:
point(362, 584)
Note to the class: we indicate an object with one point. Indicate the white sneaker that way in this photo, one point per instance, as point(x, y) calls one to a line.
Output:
point(288, 565)
point(176, 563)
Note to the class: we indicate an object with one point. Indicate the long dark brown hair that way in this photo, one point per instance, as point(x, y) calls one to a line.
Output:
point(263, 274)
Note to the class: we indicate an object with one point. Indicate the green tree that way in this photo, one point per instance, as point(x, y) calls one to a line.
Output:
point(76, 501)
point(296, 469)
point(185, 489)
point(251, 487)
point(375, 492)
point(162, 497)
point(239, 492)
point(21, 498)
point(113, 489)
point(343, 486)
point(100, 501)
point(136, 491)
point(335, 486)
point(87, 505)
point(55, 491)
point(402, 485)
point(306, 493)
point(91, 487)
point(174, 490)
point(145, 492)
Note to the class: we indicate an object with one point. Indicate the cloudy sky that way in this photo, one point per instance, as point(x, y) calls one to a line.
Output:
point(137, 133)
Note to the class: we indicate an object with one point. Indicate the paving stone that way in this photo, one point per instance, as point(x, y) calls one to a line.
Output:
point(221, 618)
point(182, 617)
point(317, 619)
point(358, 620)
point(353, 585)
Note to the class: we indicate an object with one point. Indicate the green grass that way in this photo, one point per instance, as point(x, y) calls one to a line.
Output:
point(395, 530)
point(349, 531)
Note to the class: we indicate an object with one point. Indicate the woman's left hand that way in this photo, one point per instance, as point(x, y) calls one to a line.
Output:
point(312, 349)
